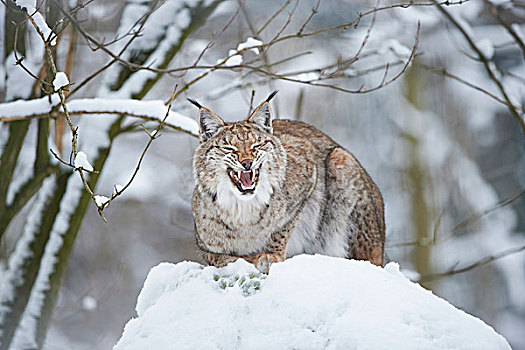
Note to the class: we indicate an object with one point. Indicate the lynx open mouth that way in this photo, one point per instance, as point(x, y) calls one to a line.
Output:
point(244, 180)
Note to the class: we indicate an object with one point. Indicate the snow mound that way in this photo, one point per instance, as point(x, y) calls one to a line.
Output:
point(306, 302)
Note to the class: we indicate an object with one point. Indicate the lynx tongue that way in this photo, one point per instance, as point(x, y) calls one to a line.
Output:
point(246, 179)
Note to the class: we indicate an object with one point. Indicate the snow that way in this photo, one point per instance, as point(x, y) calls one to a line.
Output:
point(162, 32)
point(306, 302)
point(486, 47)
point(60, 81)
point(89, 303)
point(4, 135)
point(25, 336)
point(233, 59)
point(25, 108)
point(392, 45)
point(500, 2)
point(19, 84)
point(26, 332)
point(516, 27)
point(117, 188)
point(152, 108)
point(101, 200)
point(25, 165)
point(30, 6)
point(13, 278)
point(250, 43)
point(305, 77)
point(81, 161)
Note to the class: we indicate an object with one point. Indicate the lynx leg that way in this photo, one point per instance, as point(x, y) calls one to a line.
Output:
point(218, 260)
point(276, 250)
point(263, 261)
point(353, 189)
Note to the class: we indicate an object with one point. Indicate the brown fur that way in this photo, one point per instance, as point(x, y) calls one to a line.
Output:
point(312, 195)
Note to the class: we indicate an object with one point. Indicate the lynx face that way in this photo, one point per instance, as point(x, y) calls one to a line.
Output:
point(239, 161)
point(245, 150)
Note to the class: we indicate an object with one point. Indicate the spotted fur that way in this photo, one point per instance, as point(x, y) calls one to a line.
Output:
point(311, 195)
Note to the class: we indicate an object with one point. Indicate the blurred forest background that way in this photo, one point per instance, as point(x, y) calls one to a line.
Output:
point(428, 95)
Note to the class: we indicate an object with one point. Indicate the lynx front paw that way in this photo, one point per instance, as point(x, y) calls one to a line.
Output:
point(263, 261)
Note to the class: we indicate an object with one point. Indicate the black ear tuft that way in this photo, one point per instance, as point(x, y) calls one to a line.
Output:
point(209, 124)
point(195, 103)
point(272, 95)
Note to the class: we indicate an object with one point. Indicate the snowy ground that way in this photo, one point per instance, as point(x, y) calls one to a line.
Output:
point(306, 302)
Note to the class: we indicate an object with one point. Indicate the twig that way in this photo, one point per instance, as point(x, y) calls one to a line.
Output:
point(384, 81)
point(62, 104)
point(152, 136)
point(19, 60)
point(476, 216)
point(285, 25)
point(135, 35)
point(518, 40)
point(212, 42)
point(484, 261)
point(486, 64)
point(469, 220)
point(447, 74)
point(315, 9)
point(272, 17)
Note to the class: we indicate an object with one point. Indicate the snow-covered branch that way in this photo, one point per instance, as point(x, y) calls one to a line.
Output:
point(150, 110)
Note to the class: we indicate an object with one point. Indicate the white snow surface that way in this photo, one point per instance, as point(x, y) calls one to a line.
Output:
point(306, 302)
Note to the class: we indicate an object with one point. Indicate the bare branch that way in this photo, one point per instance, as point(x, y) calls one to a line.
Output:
point(447, 74)
point(495, 9)
point(469, 220)
point(141, 22)
point(212, 42)
point(486, 260)
point(315, 9)
point(152, 136)
point(486, 64)
point(272, 17)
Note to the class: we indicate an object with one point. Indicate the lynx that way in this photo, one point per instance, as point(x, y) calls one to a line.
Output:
point(270, 189)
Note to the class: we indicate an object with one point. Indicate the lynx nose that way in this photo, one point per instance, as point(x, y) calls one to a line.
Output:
point(247, 163)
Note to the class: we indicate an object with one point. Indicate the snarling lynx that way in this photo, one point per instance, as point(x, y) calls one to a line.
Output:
point(267, 190)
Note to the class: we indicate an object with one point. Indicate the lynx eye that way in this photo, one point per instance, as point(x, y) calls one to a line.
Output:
point(227, 148)
point(259, 145)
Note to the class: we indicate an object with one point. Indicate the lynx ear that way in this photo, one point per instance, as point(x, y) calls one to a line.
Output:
point(262, 117)
point(209, 124)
